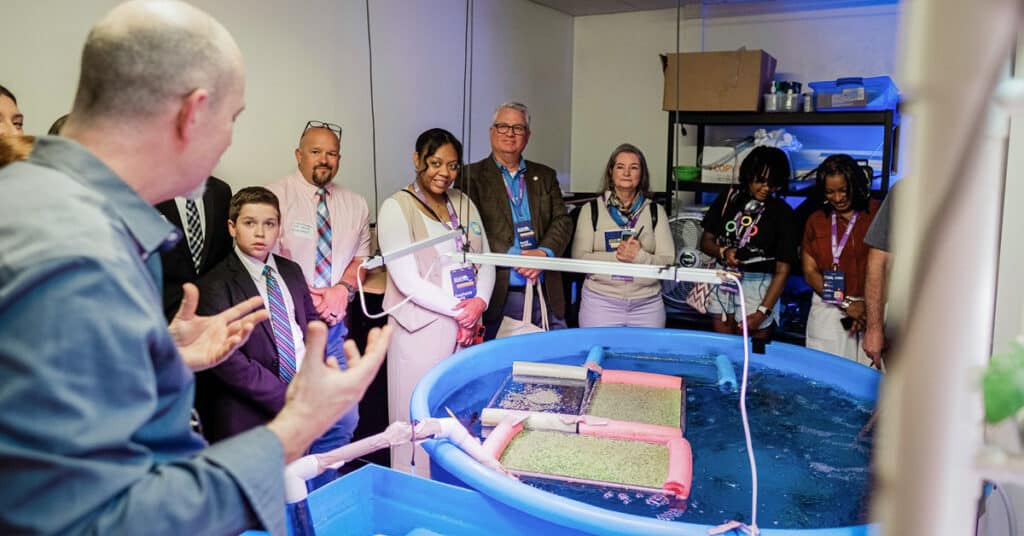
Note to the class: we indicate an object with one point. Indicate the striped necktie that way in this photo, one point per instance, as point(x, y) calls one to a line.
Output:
point(281, 327)
point(195, 232)
point(323, 244)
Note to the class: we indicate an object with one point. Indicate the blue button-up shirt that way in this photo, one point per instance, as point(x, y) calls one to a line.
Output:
point(520, 213)
point(94, 430)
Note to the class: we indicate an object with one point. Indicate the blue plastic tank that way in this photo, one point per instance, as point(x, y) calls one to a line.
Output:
point(451, 377)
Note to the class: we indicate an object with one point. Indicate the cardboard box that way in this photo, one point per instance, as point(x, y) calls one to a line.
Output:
point(727, 81)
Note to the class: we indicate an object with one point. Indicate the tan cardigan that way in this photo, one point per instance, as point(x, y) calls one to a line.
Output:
point(656, 248)
point(410, 316)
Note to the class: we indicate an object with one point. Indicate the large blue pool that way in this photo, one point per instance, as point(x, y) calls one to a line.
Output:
point(806, 412)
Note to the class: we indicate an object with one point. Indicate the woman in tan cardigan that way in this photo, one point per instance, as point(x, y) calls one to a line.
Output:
point(434, 300)
point(624, 231)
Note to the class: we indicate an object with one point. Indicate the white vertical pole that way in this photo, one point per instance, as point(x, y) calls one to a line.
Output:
point(942, 289)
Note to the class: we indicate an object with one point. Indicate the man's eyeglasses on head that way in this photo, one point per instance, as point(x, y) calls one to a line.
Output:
point(515, 130)
point(336, 129)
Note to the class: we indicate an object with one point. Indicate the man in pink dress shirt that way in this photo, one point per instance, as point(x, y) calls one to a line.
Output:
point(325, 229)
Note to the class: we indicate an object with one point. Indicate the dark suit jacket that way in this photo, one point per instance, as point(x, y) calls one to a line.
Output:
point(483, 182)
point(245, 391)
point(177, 263)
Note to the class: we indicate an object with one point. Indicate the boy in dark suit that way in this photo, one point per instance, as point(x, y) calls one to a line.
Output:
point(248, 389)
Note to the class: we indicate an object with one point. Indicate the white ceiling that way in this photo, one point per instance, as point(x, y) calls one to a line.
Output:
point(724, 7)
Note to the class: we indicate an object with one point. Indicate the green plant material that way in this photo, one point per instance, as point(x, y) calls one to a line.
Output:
point(633, 463)
point(1003, 384)
point(636, 403)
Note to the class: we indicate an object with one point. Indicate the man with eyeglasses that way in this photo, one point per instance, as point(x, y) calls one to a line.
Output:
point(325, 229)
point(522, 210)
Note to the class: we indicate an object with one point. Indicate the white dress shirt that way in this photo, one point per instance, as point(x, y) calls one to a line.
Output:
point(255, 269)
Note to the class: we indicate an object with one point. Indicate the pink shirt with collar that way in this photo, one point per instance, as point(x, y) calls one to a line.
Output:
point(350, 225)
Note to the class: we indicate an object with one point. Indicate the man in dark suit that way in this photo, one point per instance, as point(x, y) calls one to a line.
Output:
point(522, 210)
point(248, 389)
point(209, 238)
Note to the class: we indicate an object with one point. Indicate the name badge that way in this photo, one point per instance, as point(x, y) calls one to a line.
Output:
point(612, 239)
point(302, 229)
point(729, 286)
point(464, 282)
point(834, 288)
point(527, 238)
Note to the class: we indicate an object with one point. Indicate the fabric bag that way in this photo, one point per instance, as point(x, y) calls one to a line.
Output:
point(515, 326)
point(698, 297)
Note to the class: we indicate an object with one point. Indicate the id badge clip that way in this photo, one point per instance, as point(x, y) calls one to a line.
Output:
point(833, 288)
point(464, 283)
point(612, 239)
point(527, 238)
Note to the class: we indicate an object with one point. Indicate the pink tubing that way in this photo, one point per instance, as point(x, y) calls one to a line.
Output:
point(647, 379)
point(680, 468)
point(628, 430)
point(500, 437)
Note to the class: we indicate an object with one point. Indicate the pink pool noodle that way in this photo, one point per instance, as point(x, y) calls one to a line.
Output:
point(500, 437)
point(647, 379)
point(628, 430)
point(680, 468)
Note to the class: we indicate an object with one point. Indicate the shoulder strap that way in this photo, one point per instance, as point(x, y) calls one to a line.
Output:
point(422, 204)
point(593, 213)
point(654, 215)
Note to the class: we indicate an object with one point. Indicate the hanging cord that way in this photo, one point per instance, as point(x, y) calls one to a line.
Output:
point(467, 118)
point(752, 527)
point(384, 313)
point(743, 408)
point(675, 123)
point(373, 117)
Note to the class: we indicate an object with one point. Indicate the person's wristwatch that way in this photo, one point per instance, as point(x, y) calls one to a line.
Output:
point(764, 310)
point(351, 290)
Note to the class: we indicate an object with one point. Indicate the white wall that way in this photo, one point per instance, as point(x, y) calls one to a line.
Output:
point(617, 82)
point(310, 59)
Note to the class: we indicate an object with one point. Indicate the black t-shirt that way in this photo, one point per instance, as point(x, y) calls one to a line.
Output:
point(775, 236)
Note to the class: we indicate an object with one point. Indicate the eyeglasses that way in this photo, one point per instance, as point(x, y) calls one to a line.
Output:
point(516, 130)
point(320, 124)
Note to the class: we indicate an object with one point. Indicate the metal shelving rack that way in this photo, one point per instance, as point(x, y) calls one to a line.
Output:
point(888, 120)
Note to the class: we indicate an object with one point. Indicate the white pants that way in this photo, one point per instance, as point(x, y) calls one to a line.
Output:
point(825, 333)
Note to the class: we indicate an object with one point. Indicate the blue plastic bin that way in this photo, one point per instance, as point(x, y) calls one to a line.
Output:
point(855, 94)
point(376, 500)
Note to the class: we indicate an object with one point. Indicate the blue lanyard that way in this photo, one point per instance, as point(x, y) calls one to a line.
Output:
point(517, 199)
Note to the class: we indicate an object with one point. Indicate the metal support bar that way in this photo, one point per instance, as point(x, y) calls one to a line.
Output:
point(670, 273)
point(374, 262)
